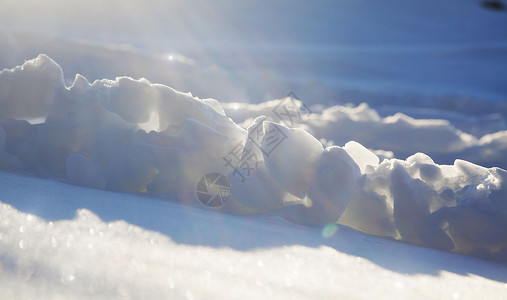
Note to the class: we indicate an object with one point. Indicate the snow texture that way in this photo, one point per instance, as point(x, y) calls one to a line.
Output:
point(134, 136)
point(64, 242)
point(398, 133)
point(115, 211)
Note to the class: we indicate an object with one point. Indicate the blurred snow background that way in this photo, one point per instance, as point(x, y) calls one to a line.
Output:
point(393, 51)
point(441, 61)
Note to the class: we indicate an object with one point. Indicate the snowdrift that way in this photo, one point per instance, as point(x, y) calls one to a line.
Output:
point(134, 136)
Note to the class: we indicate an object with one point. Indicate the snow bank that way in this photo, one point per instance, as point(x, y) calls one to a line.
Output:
point(134, 136)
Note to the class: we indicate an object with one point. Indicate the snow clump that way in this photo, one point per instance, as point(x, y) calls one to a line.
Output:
point(134, 136)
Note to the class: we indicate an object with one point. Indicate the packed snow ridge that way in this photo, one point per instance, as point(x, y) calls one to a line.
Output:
point(134, 136)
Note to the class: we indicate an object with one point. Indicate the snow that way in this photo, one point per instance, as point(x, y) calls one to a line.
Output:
point(82, 171)
point(431, 54)
point(293, 162)
point(92, 137)
point(77, 243)
point(32, 85)
point(361, 156)
point(151, 153)
point(399, 133)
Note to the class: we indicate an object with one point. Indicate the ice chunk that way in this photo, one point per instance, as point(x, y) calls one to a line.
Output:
point(436, 238)
point(214, 104)
point(16, 129)
point(362, 156)
point(84, 172)
point(171, 170)
point(291, 155)
point(430, 172)
point(423, 166)
point(28, 91)
point(370, 213)
point(255, 135)
point(498, 192)
point(447, 196)
point(333, 185)
point(411, 203)
point(419, 158)
point(52, 144)
point(474, 227)
point(215, 143)
point(471, 171)
point(131, 168)
point(133, 100)
point(449, 171)
point(161, 139)
point(80, 83)
point(256, 193)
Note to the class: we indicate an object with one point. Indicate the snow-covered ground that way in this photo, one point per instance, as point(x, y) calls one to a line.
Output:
point(63, 242)
point(378, 83)
point(91, 136)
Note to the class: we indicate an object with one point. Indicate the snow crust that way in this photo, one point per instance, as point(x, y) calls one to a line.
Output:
point(98, 135)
